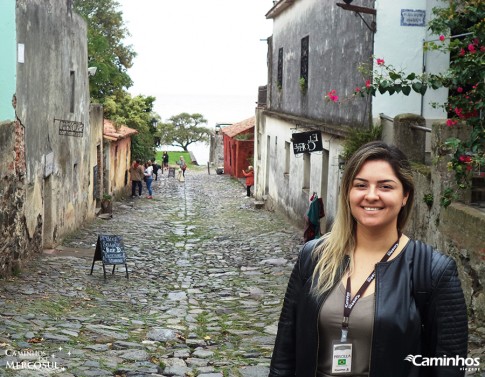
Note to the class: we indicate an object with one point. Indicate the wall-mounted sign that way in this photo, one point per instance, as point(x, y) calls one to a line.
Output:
point(70, 127)
point(307, 142)
point(413, 17)
point(48, 164)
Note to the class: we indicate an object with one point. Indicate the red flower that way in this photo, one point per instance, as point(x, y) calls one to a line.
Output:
point(465, 159)
point(462, 52)
point(367, 83)
point(459, 89)
point(471, 48)
point(380, 61)
point(442, 38)
point(476, 41)
point(332, 95)
point(357, 90)
point(451, 122)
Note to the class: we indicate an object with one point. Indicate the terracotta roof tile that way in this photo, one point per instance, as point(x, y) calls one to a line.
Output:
point(110, 132)
point(238, 128)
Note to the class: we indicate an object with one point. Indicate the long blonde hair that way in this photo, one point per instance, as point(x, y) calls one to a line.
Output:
point(330, 253)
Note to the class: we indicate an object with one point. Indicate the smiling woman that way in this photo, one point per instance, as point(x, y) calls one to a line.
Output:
point(418, 305)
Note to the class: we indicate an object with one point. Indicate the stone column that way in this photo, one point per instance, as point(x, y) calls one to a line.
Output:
point(410, 140)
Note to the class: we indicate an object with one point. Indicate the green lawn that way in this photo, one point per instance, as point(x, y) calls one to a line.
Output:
point(173, 157)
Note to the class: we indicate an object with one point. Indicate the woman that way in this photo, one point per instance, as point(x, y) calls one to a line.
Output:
point(249, 180)
point(181, 163)
point(333, 323)
point(149, 178)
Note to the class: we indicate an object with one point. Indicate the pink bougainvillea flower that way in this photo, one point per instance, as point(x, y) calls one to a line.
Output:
point(451, 122)
point(332, 95)
point(357, 90)
point(482, 48)
point(465, 159)
point(367, 83)
point(459, 89)
point(476, 41)
point(442, 38)
point(462, 52)
point(380, 61)
point(458, 112)
point(471, 48)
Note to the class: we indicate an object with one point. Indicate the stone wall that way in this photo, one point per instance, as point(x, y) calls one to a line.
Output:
point(457, 230)
point(16, 243)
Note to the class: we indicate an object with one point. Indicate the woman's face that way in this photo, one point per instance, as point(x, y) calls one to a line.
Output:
point(376, 196)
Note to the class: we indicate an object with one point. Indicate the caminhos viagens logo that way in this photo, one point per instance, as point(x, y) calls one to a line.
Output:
point(468, 363)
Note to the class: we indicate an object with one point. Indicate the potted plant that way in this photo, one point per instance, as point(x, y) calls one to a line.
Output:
point(107, 204)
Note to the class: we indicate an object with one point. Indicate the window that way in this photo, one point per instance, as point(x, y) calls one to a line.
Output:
point(306, 171)
point(73, 91)
point(304, 62)
point(279, 79)
point(287, 157)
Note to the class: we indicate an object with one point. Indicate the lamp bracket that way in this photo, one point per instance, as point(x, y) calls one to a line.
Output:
point(358, 10)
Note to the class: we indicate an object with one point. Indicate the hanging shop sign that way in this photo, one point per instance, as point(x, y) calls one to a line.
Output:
point(307, 142)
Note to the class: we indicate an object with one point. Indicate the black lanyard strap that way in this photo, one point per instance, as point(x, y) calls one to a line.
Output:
point(350, 303)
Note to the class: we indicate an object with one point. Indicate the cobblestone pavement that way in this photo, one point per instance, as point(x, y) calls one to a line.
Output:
point(207, 275)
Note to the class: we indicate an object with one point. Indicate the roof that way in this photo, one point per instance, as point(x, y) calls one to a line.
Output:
point(239, 128)
point(111, 133)
point(278, 8)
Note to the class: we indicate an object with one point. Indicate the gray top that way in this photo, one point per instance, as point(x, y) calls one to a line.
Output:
point(360, 332)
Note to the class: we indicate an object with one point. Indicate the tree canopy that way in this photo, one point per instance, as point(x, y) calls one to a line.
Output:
point(106, 49)
point(183, 129)
point(134, 112)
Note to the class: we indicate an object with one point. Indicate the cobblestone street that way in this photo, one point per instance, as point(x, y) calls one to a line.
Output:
point(207, 275)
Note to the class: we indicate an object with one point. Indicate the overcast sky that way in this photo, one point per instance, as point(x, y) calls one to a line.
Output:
point(198, 46)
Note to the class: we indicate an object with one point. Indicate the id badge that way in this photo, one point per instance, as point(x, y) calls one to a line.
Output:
point(341, 357)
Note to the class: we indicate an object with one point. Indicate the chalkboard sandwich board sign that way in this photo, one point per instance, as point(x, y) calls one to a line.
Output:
point(111, 251)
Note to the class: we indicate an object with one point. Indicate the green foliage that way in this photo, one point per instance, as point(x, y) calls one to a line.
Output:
point(303, 84)
point(134, 112)
point(173, 156)
point(428, 199)
point(183, 129)
point(106, 50)
point(357, 138)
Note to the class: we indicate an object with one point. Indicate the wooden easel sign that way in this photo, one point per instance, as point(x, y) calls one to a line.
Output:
point(111, 251)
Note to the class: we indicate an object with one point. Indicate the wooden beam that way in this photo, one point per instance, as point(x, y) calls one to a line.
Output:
point(356, 8)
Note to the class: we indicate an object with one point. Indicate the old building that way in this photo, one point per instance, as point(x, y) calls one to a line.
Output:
point(238, 142)
point(318, 47)
point(46, 164)
point(117, 157)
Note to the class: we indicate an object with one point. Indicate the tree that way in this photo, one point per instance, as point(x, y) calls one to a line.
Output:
point(106, 51)
point(134, 112)
point(183, 129)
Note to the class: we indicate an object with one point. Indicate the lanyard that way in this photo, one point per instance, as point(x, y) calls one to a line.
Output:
point(349, 304)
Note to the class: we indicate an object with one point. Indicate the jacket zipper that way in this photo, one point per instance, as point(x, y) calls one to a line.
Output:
point(320, 304)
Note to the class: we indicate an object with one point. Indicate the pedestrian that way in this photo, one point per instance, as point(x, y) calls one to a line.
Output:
point(165, 160)
point(156, 168)
point(402, 302)
point(136, 174)
point(149, 178)
point(249, 180)
point(183, 166)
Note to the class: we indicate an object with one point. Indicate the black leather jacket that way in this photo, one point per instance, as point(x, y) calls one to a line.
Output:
point(397, 329)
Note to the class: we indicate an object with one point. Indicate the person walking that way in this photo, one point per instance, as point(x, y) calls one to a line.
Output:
point(165, 160)
point(249, 180)
point(136, 174)
point(156, 169)
point(365, 299)
point(181, 163)
point(149, 178)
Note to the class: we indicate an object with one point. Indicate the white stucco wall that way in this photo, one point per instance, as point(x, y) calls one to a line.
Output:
point(402, 47)
point(286, 188)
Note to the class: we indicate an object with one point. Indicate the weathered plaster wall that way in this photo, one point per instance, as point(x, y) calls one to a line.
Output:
point(96, 123)
point(52, 85)
point(283, 188)
point(7, 62)
point(120, 160)
point(16, 242)
point(338, 43)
